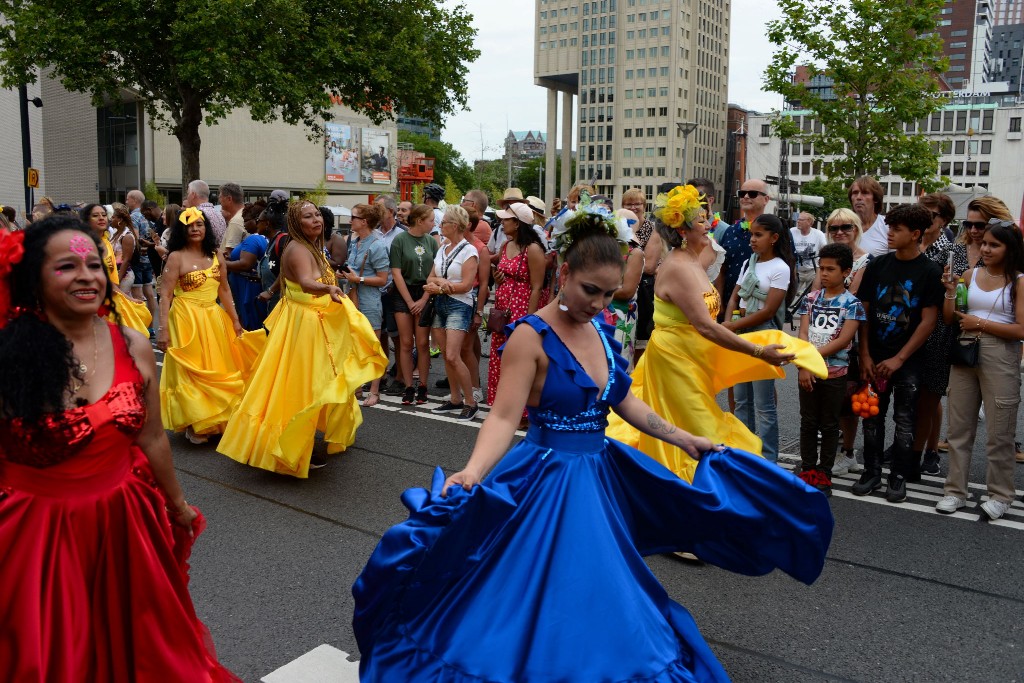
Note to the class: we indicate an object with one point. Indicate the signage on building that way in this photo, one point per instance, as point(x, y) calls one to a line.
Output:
point(342, 162)
point(33, 178)
point(376, 156)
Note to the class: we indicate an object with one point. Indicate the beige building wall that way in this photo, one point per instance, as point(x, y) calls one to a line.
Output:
point(264, 156)
point(12, 180)
point(69, 143)
point(639, 68)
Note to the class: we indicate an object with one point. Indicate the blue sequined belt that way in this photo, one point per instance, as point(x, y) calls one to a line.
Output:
point(577, 442)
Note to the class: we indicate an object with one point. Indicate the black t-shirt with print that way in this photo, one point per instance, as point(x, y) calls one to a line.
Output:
point(896, 292)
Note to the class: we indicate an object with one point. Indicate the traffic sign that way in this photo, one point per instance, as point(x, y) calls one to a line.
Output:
point(33, 178)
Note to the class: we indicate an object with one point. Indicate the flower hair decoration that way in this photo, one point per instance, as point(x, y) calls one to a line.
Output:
point(681, 205)
point(12, 250)
point(567, 224)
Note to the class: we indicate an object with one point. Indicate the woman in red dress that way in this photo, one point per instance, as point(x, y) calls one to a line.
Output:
point(95, 532)
point(519, 275)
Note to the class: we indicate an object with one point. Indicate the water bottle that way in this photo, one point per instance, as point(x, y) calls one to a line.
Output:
point(961, 296)
point(737, 314)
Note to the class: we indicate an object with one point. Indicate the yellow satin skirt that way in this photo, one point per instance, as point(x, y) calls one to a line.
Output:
point(134, 314)
point(317, 354)
point(679, 375)
point(205, 367)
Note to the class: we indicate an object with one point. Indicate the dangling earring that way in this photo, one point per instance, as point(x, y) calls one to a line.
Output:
point(561, 303)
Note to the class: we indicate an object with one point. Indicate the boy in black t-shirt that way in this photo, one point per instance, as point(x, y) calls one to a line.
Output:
point(901, 292)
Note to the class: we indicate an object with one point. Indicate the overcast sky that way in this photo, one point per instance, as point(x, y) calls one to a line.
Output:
point(502, 95)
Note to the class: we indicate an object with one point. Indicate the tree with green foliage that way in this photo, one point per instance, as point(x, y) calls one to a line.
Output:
point(447, 160)
point(194, 61)
point(883, 59)
point(318, 195)
point(529, 178)
point(452, 193)
point(832, 191)
point(153, 193)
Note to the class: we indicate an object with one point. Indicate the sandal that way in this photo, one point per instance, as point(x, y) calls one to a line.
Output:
point(409, 396)
point(371, 400)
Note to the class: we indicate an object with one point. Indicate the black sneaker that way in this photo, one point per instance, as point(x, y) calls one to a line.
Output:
point(442, 383)
point(408, 396)
point(867, 483)
point(897, 492)
point(468, 413)
point(317, 461)
point(421, 395)
point(447, 407)
point(930, 463)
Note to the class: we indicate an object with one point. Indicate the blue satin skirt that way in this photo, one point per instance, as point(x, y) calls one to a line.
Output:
point(538, 573)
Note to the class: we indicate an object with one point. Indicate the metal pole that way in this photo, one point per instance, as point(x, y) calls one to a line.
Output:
point(26, 147)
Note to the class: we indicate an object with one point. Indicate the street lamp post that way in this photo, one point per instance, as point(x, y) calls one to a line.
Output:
point(26, 143)
point(686, 127)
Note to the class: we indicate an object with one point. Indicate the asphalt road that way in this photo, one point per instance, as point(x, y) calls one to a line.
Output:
point(906, 595)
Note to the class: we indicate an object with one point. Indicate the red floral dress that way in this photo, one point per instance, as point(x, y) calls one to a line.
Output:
point(96, 574)
point(513, 295)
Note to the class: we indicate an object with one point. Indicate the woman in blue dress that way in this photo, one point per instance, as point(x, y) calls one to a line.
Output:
point(535, 572)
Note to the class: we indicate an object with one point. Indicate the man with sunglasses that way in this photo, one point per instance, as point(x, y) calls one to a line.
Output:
point(753, 196)
point(865, 195)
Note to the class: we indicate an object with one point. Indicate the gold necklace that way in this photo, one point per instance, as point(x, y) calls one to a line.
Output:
point(82, 369)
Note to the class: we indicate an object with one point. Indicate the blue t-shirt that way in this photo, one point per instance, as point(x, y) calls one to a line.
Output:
point(827, 317)
point(367, 257)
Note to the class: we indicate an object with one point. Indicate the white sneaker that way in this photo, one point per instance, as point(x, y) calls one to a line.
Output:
point(191, 435)
point(949, 504)
point(845, 463)
point(994, 508)
point(478, 395)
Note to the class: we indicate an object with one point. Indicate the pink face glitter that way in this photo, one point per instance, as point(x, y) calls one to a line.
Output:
point(81, 246)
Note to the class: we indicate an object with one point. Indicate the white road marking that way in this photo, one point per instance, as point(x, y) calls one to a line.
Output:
point(323, 664)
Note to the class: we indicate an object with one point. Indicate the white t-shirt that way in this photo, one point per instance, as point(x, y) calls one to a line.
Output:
point(875, 240)
point(771, 274)
point(806, 248)
point(454, 266)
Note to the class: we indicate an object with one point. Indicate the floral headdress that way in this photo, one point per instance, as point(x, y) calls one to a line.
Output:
point(588, 212)
point(680, 206)
point(12, 250)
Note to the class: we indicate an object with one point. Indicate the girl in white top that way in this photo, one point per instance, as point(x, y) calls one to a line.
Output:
point(451, 283)
point(767, 284)
point(995, 322)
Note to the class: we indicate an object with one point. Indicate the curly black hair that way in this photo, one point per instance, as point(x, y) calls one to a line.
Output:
point(36, 360)
point(179, 237)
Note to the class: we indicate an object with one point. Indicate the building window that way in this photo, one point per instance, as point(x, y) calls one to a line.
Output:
point(627, 133)
point(944, 168)
point(1014, 124)
point(766, 130)
point(983, 168)
point(662, 151)
point(986, 146)
point(958, 168)
point(662, 131)
point(625, 172)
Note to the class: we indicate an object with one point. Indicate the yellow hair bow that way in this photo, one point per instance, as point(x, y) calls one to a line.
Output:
point(190, 215)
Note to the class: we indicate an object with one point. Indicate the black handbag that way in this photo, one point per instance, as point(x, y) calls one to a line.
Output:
point(427, 314)
point(965, 351)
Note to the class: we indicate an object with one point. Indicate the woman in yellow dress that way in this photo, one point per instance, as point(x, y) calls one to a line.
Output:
point(320, 349)
point(206, 360)
point(134, 314)
point(690, 357)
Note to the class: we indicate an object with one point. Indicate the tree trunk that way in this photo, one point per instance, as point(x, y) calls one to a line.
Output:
point(189, 142)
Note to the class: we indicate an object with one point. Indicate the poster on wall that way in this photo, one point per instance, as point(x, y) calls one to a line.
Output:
point(342, 164)
point(376, 156)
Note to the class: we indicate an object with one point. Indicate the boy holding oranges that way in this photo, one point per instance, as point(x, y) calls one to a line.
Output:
point(830, 317)
point(901, 292)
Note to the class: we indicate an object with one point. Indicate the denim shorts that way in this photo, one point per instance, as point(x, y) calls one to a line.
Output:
point(452, 314)
point(143, 274)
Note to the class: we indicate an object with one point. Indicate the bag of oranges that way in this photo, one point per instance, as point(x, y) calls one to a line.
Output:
point(865, 402)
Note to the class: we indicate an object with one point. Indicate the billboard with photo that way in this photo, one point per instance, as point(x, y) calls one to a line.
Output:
point(342, 154)
point(376, 156)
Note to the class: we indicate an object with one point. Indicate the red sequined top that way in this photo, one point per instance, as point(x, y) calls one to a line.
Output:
point(58, 437)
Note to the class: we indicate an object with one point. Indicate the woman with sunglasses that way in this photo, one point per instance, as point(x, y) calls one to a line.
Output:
point(844, 227)
point(993, 291)
point(967, 250)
